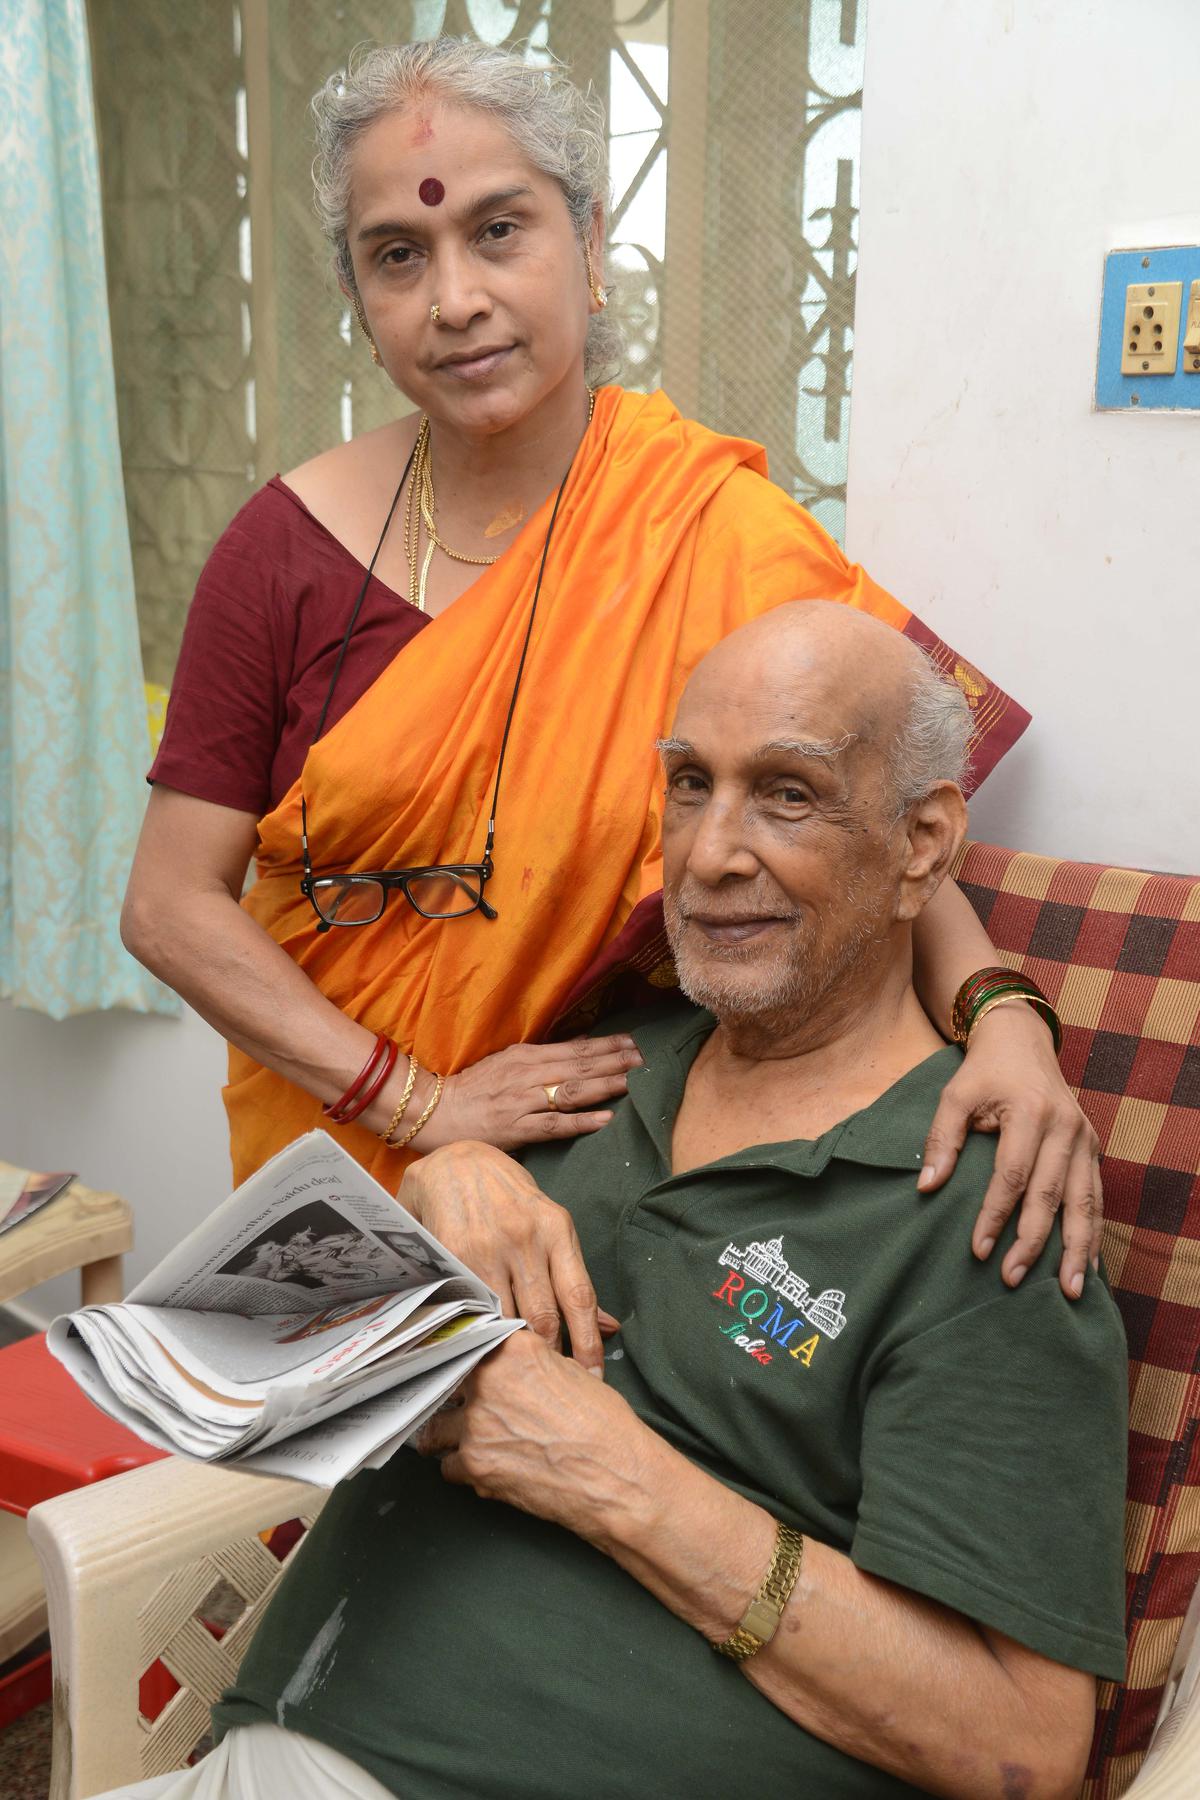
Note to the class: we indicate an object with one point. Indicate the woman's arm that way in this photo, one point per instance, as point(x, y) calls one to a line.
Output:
point(1048, 1155)
point(182, 919)
point(884, 1674)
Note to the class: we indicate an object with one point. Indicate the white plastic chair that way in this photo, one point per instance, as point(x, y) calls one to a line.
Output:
point(128, 1565)
point(128, 1561)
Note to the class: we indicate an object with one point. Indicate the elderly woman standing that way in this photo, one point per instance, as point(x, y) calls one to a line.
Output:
point(423, 675)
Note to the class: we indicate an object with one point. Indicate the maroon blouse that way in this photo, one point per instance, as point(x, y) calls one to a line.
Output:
point(261, 639)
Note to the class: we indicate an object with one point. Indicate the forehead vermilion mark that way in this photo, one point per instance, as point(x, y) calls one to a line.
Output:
point(431, 191)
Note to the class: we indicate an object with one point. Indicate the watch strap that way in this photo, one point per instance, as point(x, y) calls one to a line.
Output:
point(760, 1621)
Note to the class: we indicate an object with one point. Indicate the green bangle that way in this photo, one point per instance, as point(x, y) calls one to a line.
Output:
point(986, 986)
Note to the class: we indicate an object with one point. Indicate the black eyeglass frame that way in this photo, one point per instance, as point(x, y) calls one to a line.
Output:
point(390, 879)
point(480, 872)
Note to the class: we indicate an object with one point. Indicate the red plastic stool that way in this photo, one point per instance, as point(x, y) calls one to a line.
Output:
point(52, 1439)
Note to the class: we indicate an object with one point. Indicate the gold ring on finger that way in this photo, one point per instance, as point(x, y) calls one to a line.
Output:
point(551, 1093)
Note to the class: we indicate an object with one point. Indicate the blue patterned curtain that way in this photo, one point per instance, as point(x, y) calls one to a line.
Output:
point(73, 736)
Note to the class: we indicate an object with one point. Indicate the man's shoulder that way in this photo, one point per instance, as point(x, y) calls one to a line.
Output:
point(891, 1131)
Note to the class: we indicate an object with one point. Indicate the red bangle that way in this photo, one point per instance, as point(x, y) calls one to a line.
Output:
point(378, 1050)
point(356, 1107)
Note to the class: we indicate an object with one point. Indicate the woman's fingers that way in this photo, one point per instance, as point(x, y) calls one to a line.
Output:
point(573, 1096)
point(1015, 1156)
point(541, 1127)
point(1044, 1193)
point(1081, 1203)
point(582, 1059)
point(944, 1139)
point(1098, 1215)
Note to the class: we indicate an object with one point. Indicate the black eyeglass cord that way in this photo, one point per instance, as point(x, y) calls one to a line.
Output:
point(362, 594)
point(346, 635)
point(512, 705)
point(353, 620)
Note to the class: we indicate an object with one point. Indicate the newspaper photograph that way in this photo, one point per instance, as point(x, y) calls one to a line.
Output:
point(308, 1326)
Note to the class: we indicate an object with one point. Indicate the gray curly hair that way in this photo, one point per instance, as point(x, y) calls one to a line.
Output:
point(934, 740)
point(557, 126)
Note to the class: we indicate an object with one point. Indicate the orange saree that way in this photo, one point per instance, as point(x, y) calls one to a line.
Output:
point(668, 537)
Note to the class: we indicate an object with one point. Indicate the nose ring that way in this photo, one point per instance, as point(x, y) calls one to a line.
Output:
point(435, 313)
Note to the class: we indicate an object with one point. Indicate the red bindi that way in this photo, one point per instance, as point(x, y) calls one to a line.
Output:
point(431, 191)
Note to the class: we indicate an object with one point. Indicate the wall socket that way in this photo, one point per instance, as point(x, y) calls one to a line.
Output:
point(1148, 352)
point(1191, 333)
point(1152, 328)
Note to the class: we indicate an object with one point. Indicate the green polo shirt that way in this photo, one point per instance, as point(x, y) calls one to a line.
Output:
point(803, 1324)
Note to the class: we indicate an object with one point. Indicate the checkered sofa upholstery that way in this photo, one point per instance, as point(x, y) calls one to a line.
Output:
point(1118, 952)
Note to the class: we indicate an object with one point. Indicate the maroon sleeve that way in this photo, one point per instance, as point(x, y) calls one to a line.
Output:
point(226, 708)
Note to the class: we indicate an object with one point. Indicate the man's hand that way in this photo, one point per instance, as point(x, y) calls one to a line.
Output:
point(494, 1217)
point(534, 1432)
point(1048, 1155)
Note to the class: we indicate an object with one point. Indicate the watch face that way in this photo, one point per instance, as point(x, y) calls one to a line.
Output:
point(760, 1619)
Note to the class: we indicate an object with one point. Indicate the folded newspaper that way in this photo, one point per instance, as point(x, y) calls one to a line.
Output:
point(306, 1328)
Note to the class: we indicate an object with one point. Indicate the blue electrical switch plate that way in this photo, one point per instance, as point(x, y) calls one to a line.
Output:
point(1177, 392)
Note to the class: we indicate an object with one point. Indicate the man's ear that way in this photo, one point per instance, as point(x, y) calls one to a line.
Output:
point(934, 829)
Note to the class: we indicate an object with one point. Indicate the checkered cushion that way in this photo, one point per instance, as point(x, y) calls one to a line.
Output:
point(1118, 952)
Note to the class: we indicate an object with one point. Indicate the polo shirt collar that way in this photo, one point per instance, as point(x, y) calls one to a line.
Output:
point(888, 1134)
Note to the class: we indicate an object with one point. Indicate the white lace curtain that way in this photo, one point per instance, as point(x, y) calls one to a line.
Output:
point(734, 143)
point(73, 740)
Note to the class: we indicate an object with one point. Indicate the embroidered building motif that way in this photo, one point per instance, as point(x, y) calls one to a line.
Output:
point(766, 1263)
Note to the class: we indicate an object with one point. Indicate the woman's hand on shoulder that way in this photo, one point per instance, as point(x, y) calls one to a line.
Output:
point(491, 1213)
point(505, 1099)
point(1048, 1155)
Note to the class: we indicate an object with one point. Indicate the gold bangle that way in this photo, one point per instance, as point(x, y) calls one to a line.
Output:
point(439, 1082)
point(400, 1111)
point(1040, 1006)
point(760, 1621)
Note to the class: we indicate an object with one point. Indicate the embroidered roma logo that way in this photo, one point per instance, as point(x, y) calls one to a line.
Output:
point(764, 1265)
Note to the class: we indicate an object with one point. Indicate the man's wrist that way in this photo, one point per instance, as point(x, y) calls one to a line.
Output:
point(697, 1545)
point(627, 1510)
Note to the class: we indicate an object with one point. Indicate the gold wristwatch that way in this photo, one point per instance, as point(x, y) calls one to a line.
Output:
point(760, 1621)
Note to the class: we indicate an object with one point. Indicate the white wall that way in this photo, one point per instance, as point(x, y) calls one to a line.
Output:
point(131, 1104)
point(1007, 145)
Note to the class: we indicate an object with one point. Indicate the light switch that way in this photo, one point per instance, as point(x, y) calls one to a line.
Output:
point(1191, 333)
point(1151, 328)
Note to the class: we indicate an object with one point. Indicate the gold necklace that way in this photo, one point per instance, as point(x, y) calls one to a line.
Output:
point(421, 509)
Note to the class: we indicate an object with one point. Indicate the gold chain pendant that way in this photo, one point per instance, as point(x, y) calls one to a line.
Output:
point(421, 509)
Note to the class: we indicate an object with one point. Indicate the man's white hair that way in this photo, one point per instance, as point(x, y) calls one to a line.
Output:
point(932, 743)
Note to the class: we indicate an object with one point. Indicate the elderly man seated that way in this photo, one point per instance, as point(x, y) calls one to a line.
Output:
point(843, 1517)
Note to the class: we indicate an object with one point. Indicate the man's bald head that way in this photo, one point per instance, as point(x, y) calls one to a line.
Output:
point(812, 807)
point(885, 708)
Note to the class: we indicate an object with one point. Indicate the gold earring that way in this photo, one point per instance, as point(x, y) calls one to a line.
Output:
point(366, 331)
point(435, 313)
point(599, 294)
